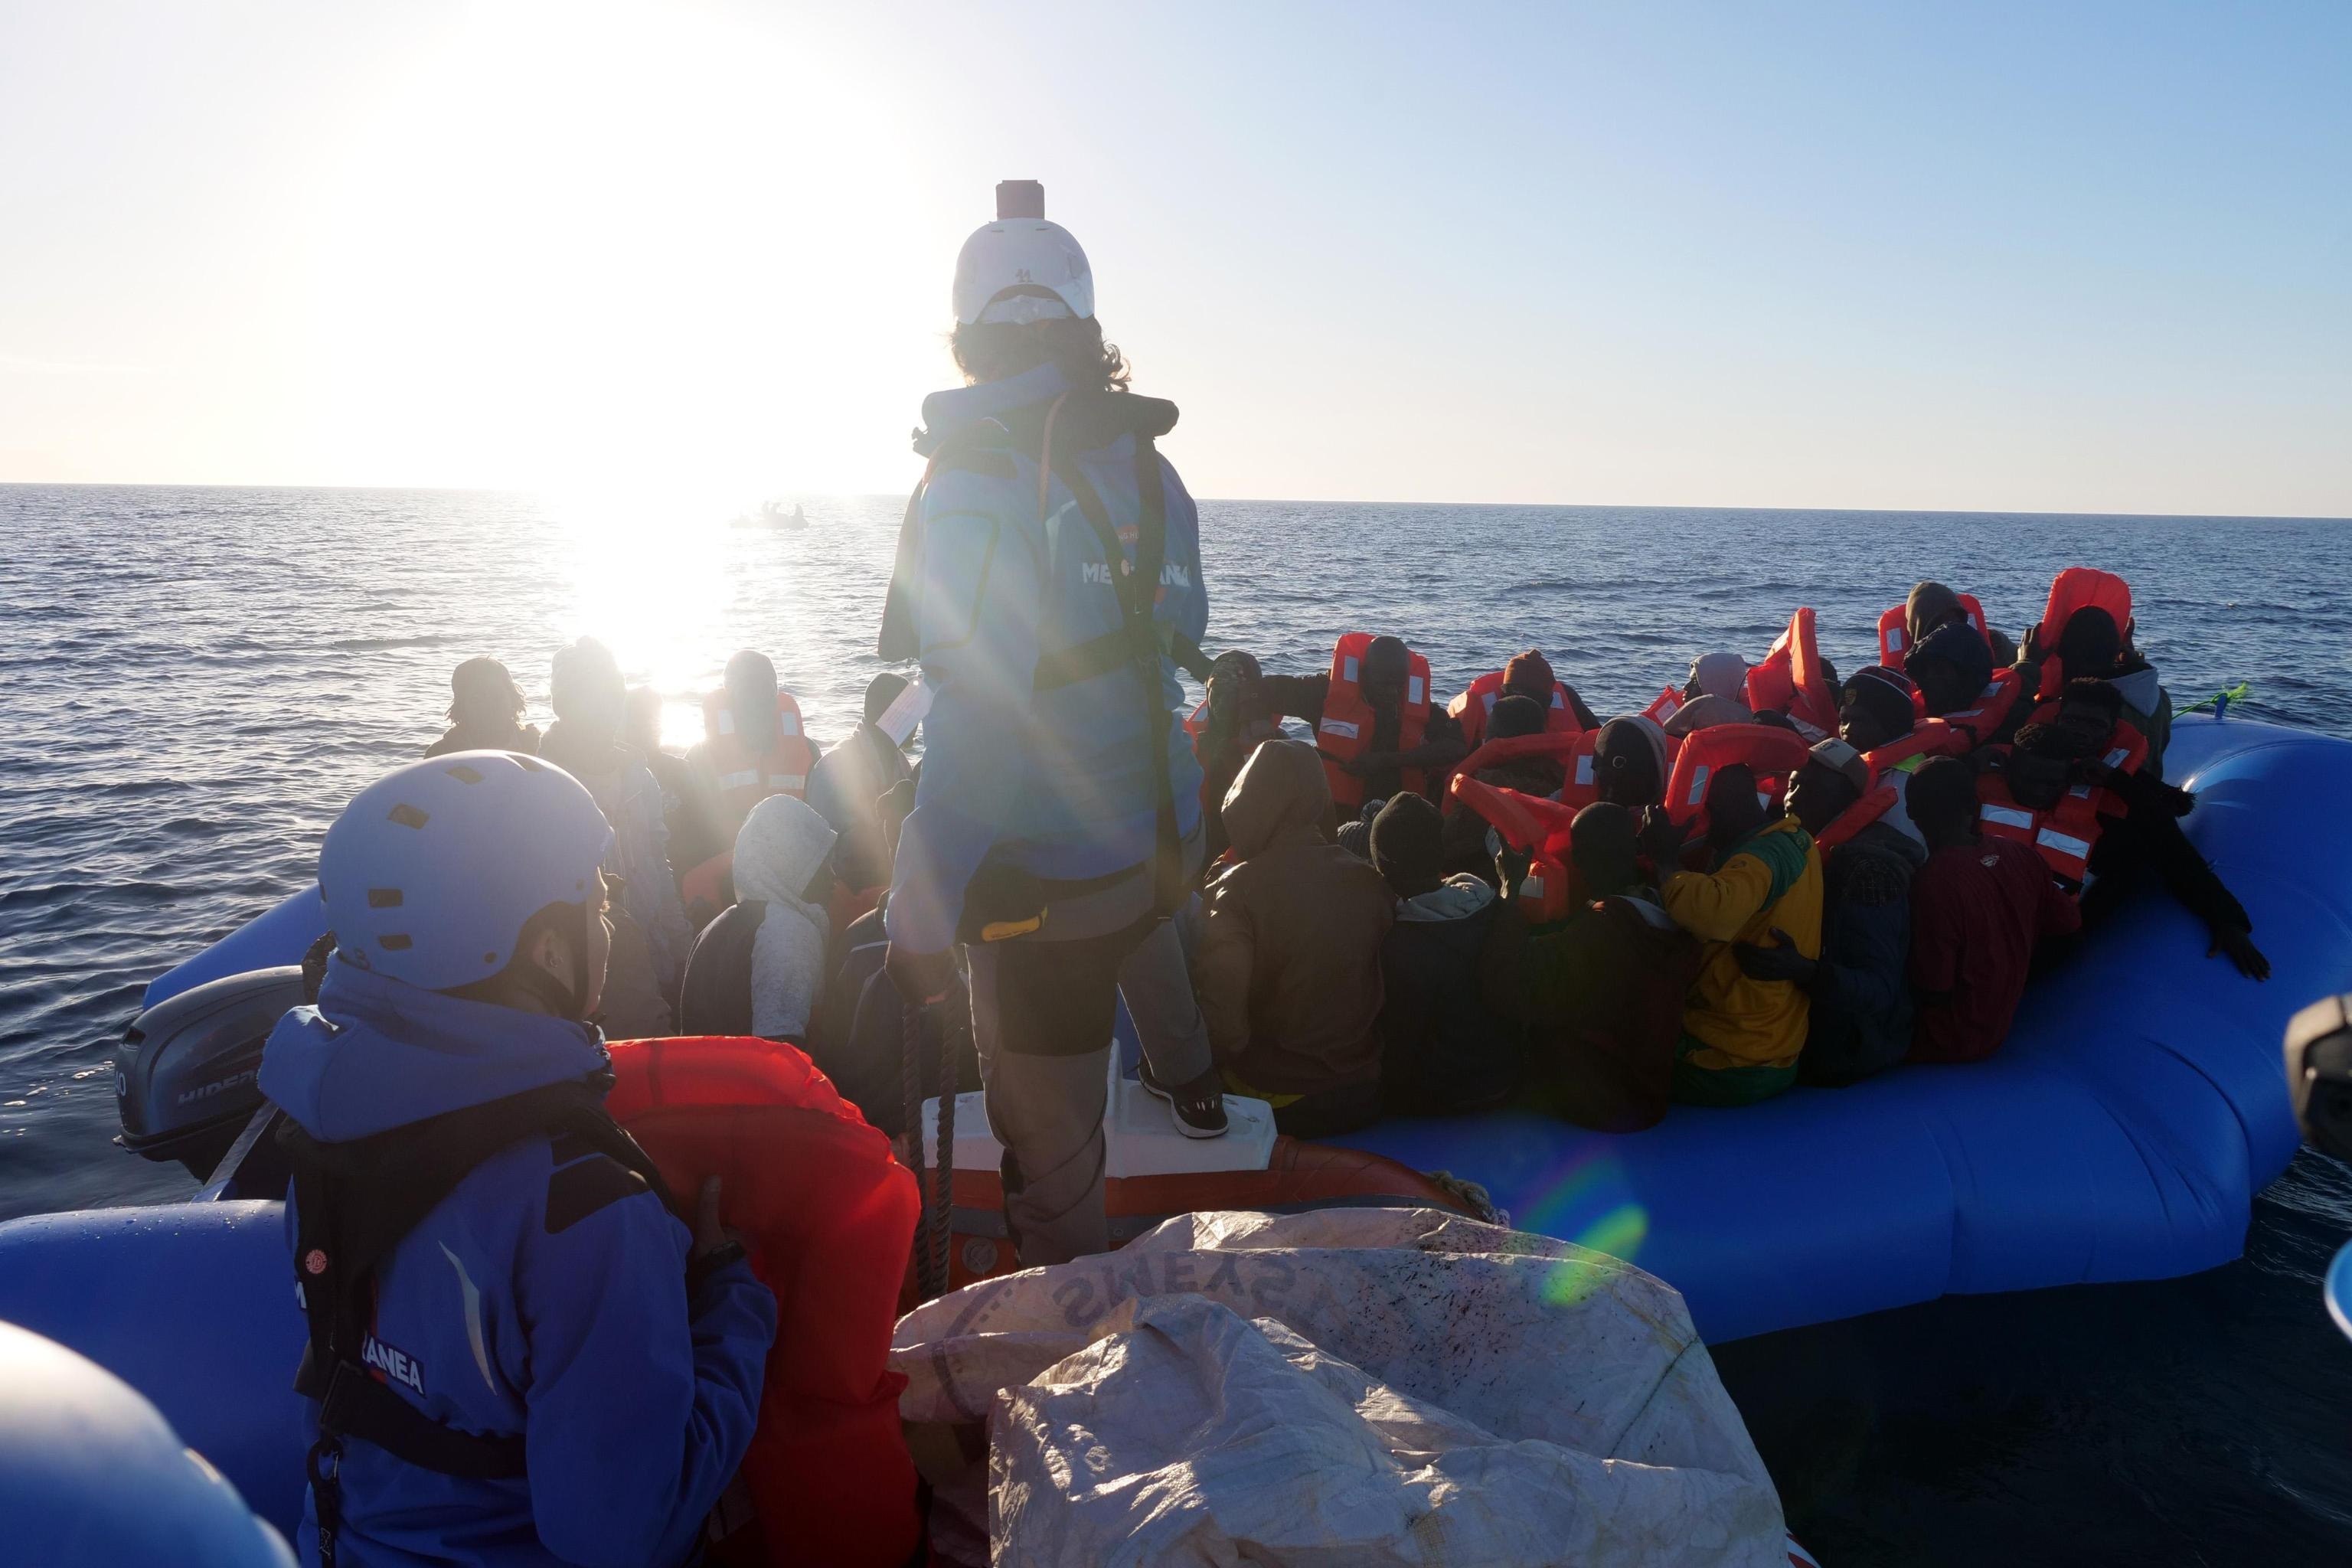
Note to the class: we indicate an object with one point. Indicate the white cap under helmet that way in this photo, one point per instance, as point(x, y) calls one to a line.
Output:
point(1022, 269)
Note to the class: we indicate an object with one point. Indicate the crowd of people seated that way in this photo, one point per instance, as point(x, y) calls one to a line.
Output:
point(1769, 877)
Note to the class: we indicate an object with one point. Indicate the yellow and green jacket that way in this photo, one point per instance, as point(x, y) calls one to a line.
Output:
point(1771, 879)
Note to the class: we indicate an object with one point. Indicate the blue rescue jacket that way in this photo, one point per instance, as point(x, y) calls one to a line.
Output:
point(997, 574)
point(545, 1295)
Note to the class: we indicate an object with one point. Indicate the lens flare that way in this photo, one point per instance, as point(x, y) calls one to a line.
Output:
point(1588, 1200)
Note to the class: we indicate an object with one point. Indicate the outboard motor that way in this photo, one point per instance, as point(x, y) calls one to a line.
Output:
point(189, 1076)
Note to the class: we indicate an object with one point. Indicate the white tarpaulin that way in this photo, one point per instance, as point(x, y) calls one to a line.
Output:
point(1342, 1386)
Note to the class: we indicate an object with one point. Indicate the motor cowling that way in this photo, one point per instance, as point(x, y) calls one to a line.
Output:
point(188, 1078)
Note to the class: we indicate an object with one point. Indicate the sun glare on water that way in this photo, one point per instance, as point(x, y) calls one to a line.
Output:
point(652, 264)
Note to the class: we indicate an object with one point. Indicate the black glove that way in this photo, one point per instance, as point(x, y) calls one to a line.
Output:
point(1782, 962)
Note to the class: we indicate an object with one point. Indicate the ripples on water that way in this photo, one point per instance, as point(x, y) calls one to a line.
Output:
point(194, 681)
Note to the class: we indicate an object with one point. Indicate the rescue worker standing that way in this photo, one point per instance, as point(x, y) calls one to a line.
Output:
point(1048, 572)
point(521, 1355)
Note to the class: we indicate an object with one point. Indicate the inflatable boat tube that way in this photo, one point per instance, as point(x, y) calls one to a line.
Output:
point(76, 1443)
point(192, 1305)
point(2121, 1134)
point(280, 935)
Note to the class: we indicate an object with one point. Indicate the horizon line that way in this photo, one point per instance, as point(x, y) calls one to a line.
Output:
point(1249, 501)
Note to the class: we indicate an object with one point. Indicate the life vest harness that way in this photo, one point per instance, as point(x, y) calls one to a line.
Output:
point(354, 1203)
point(1538, 829)
point(1894, 629)
point(1791, 681)
point(1954, 735)
point(2077, 588)
point(1345, 730)
point(1566, 746)
point(745, 780)
point(2065, 831)
point(1475, 708)
point(1665, 706)
point(1772, 753)
point(1139, 643)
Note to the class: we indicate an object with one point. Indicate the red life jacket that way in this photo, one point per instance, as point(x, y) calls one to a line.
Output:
point(2077, 588)
point(1774, 753)
point(2065, 834)
point(1539, 827)
point(1565, 745)
point(1791, 681)
point(1894, 630)
point(1345, 730)
point(1476, 706)
point(1665, 706)
point(828, 1217)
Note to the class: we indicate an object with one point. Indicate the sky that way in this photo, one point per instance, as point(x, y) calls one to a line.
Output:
point(2084, 257)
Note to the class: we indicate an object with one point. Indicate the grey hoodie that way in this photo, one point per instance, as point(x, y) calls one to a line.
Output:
point(783, 846)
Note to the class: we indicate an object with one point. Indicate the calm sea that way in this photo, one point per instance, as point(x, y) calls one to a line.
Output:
point(192, 681)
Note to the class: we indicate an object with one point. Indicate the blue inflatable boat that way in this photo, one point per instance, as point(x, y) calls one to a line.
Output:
point(2121, 1135)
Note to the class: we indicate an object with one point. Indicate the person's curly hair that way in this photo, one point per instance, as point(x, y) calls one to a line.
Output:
point(996, 350)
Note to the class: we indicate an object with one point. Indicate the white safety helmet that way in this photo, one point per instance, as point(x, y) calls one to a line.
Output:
point(1020, 251)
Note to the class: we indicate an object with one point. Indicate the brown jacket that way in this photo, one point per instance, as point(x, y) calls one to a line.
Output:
point(1288, 965)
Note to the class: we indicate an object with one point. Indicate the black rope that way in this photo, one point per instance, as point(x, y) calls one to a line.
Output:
point(910, 1067)
point(942, 1215)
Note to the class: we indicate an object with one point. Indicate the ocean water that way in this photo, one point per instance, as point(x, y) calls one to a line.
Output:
point(192, 681)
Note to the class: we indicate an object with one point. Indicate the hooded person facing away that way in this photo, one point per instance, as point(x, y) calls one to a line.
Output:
point(1858, 1018)
point(1287, 966)
point(848, 783)
point(533, 1363)
point(1442, 1050)
point(1601, 994)
point(590, 703)
point(485, 712)
point(758, 968)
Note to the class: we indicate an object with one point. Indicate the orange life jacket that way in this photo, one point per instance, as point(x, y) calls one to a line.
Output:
point(744, 780)
point(1536, 826)
point(1983, 720)
point(1565, 745)
point(1953, 735)
point(1791, 681)
point(1894, 630)
point(829, 1217)
point(1476, 706)
point(2077, 588)
point(2066, 833)
point(1773, 754)
point(1665, 706)
point(1345, 730)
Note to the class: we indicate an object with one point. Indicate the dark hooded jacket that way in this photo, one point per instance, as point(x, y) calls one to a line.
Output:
point(1288, 963)
point(1860, 1021)
point(1600, 997)
point(1442, 1049)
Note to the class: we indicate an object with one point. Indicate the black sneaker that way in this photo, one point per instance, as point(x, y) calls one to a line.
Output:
point(1198, 1108)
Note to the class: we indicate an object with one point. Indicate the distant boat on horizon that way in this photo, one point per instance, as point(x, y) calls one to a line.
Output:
point(772, 515)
